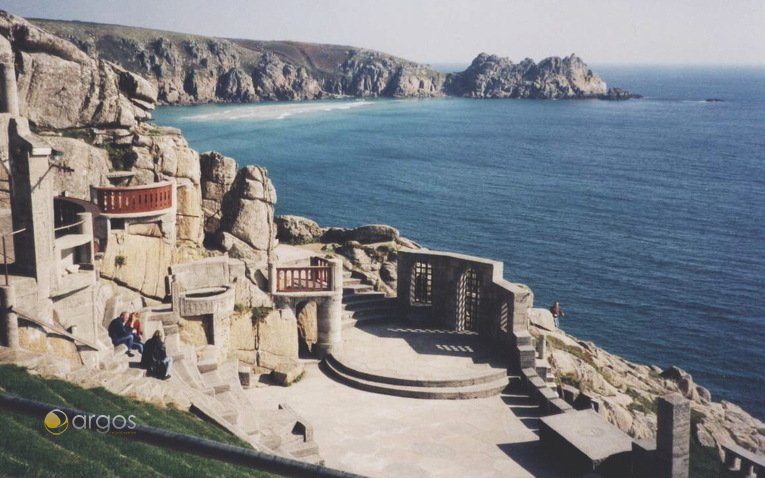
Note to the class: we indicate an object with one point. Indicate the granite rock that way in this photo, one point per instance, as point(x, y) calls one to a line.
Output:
point(296, 229)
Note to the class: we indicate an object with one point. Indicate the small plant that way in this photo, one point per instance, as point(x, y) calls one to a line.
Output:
point(641, 403)
point(120, 261)
point(260, 313)
point(122, 159)
point(239, 308)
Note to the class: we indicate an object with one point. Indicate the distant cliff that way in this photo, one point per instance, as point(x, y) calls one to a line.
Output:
point(194, 69)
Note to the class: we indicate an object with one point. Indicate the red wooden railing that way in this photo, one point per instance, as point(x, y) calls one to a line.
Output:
point(304, 279)
point(135, 199)
point(318, 261)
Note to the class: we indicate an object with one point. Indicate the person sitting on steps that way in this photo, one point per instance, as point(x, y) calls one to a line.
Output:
point(135, 324)
point(155, 359)
point(121, 333)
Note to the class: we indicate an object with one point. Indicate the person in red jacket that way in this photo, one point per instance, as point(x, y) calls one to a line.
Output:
point(135, 323)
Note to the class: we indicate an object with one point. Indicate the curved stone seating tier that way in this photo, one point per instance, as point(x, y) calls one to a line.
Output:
point(208, 300)
point(464, 392)
point(417, 363)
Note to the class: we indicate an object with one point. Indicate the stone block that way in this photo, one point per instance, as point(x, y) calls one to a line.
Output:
point(286, 373)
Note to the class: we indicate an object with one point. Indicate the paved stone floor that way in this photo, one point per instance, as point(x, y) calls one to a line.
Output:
point(383, 436)
point(405, 351)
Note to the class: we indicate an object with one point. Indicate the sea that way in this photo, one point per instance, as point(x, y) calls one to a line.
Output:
point(643, 218)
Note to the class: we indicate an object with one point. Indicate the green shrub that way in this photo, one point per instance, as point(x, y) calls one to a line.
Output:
point(120, 261)
point(122, 159)
point(239, 307)
point(260, 313)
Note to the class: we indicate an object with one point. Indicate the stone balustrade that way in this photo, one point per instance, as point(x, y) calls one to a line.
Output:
point(742, 462)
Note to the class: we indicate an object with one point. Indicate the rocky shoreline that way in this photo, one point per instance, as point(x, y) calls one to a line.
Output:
point(190, 69)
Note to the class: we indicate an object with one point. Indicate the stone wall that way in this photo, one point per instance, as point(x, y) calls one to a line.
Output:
point(502, 311)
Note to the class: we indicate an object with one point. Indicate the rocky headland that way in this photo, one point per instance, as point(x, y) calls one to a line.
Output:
point(92, 102)
point(194, 69)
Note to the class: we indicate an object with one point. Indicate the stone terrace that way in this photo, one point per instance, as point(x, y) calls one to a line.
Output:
point(379, 435)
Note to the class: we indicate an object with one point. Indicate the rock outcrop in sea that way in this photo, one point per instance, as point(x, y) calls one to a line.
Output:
point(490, 76)
point(194, 69)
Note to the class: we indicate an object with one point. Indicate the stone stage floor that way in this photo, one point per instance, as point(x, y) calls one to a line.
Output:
point(385, 436)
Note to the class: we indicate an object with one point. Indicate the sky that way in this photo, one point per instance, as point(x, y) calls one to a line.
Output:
point(455, 31)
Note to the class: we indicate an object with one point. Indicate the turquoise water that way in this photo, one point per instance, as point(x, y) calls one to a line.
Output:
point(643, 218)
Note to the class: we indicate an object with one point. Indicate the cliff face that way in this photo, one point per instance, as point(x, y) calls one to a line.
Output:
point(94, 111)
point(102, 94)
point(194, 69)
point(490, 76)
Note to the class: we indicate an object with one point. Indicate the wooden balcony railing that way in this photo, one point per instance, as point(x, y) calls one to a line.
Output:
point(304, 279)
point(135, 199)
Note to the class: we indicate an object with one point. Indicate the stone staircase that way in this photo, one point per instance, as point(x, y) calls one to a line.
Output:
point(218, 394)
point(198, 383)
point(362, 305)
point(478, 385)
point(523, 406)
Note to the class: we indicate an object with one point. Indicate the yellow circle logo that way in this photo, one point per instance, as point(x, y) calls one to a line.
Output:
point(56, 422)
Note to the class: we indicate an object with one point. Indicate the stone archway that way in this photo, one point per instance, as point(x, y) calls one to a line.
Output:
point(468, 301)
point(307, 326)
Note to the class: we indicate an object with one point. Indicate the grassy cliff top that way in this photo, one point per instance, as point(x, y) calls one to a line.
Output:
point(28, 450)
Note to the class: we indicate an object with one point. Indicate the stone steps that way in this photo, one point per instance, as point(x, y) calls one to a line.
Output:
point(362, 297)
point(372, 304)
point(489, 376)
point(481, 390)
point(200, 385)
point(351, 289)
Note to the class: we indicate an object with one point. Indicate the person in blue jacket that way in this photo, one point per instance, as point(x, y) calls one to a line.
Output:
point(121, 333)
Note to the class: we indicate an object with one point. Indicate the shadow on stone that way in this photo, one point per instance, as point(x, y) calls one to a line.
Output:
point(530, 456)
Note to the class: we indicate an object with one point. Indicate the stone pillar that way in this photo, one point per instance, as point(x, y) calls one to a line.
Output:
point(10, 320)
point(541, 347)
point(673, 436)
point(9, 96)
point(86, 228)
point(33, 208)
point(9, 99)
point(337, 275)
point(272, 278)
point(329, 325)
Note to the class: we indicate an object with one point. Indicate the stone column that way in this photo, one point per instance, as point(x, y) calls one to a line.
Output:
point(86, 228)
point(272, 278)
point(541, 347)
point(337, 275)
point(329, 324)
point(673, 436)
point(9, 318)
point(9, 96)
